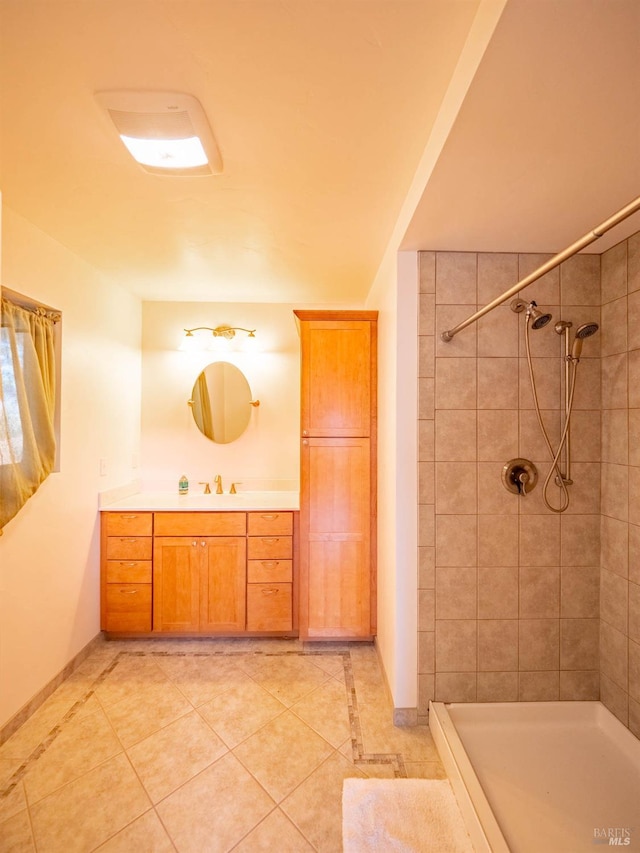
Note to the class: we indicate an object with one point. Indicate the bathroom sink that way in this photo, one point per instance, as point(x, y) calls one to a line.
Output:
point(172, 502)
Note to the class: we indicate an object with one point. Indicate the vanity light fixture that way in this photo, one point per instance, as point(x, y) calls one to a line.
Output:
point(167, 133)
point(220, 340)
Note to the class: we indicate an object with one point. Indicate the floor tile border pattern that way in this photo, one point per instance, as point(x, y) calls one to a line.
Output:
point(359, 756)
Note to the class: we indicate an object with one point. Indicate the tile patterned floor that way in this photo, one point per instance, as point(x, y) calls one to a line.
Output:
point(203, 745)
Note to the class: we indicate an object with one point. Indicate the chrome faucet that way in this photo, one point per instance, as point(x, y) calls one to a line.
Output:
point(218, 480)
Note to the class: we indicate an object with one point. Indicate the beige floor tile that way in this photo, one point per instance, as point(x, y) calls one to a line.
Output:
point(282, 754)
point(316, 805)
point(86, 812)
point(12, 802)
point(169, 758)
point(129, 675)
point(287, 677)
point(201, 678)
point(425, 770)
point(80, 746)
point(239, 712)
point(216, 809)
point(146, 710)
point(145, 835)
point(275, 833)
point(379, 735)
point(333, 664)
point(16, 835)
point(326, 711)
point(31, 733)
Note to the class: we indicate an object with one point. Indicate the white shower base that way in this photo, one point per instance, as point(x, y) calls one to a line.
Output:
point(558, 777)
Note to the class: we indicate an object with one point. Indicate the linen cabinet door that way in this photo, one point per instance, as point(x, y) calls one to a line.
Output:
point(335, 520)
point(223, 584)
point(176, 583)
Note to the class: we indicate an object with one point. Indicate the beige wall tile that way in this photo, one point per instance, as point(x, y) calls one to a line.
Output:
point(456, 436)
point(634, 612)
point(532, 443)
point(539, 540)
point(634, 379)
point(462, 345)
point(456, 645)
point(497, 272)
point(546, 372)
point(587, 394)
point(498, 592)
point(544, 342)
point(580, 280)
point(426, 568)
point(614, 491)
point(613, 331)
point(456, 543)
point(427, 318)
point(615, 698)
point(497, 645)
point(539, 644)
point(634, 717)
point(426, 482)
point(426, 690)
point(456, 687)
point(497, 383)
point(426, 525)
point(456, 593)
point(580, 591)
point(633, 263)
point(634, 553)
point(493, 497)
point(634, 495)
point(615, 436)
point(426, 610)
point(580, 686)
point(634, 670)
point(498, 333)
point(580, 540)
point(614, 655)
point(585, 436)
point(456, 383)
point(427, 271)
point(426, 651)
point(497, 540)
point(456, 275)
point(614, 545)
point(634, 437)
point(585, 492)
point(614, 272)
point(539, 686)
point(426, 356)
point(497, 686)
point(426, 441)
point(545, 290)
point(579, 644)
point(497, 435)
point(426, 399)
point(456, 488)
point(614, 382)
point(614, 600)
point(539, 588)
point(633, 330)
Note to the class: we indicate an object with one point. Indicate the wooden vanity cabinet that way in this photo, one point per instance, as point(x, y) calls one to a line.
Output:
point(338, 474)
point(126, 581)
point(198, 572)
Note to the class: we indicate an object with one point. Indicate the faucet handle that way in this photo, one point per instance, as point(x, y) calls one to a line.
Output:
point(218, 480)
point(232, 490)
point(207, 487)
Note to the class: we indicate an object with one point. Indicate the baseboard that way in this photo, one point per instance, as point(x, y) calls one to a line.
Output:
point(401, 716)
point(19, 718)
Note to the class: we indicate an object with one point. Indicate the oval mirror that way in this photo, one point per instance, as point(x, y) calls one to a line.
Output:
point(221, 402)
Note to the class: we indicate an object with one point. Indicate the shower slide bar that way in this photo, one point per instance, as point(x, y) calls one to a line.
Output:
point(553, 262)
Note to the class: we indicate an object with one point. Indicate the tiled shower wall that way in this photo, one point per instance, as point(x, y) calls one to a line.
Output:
point(620, 573)
point(508, 590)
point(517, 602)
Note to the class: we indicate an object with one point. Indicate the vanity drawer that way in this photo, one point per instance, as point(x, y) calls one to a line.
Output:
point(129, 547)
point(128, 607)
point(200, 524)
point(129, 571)
point(269, 523)
point(269, 548)
point(269, 571)
point(119, 523)
point(269, 607)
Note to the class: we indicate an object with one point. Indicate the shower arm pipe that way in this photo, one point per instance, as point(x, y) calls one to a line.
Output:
point(553, 262)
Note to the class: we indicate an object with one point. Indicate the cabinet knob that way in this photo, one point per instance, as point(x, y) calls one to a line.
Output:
point(305, 442)
point(305, 432)
point(203, 543)
point(193, 544)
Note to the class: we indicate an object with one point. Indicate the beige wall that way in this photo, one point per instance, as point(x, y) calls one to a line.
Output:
point(508, 591)
point(620, 532)
point(49, 567)
point(267, 454)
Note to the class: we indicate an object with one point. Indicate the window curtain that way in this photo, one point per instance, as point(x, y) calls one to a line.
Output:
point(27, 403)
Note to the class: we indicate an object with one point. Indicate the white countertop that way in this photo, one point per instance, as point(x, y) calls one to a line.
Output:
point(173, 502)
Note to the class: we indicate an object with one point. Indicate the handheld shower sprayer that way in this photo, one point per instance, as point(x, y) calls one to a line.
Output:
point(582, 332)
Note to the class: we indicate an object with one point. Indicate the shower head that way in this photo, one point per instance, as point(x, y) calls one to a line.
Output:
point(539, 319)
point(582, 332)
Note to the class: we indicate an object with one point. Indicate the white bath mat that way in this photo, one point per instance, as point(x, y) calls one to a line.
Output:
point(402, 816)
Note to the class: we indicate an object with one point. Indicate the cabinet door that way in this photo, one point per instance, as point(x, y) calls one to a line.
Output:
point(223, 584)
point(336, 521)
point(176, 583)
point(336, 384)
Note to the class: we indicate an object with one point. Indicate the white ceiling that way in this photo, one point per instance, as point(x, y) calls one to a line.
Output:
point(323, 111)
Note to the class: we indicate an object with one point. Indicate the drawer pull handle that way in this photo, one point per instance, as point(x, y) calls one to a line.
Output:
point(122, 539)
point(271, 539)
point(128, 516)
point(269, 515)
point(270, 591)
point(129, 591)
point(270, 564)
point(122, 563)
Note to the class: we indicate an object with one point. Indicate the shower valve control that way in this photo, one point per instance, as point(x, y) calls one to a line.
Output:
point(519, 476)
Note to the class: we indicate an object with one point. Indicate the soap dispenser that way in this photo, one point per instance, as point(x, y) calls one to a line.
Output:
point(183, 485)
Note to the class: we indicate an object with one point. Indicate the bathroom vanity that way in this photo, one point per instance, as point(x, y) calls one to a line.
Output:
point(177, 566)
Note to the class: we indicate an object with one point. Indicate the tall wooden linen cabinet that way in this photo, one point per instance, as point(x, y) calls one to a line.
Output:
point(338, 474)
